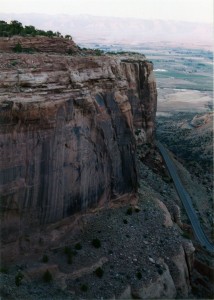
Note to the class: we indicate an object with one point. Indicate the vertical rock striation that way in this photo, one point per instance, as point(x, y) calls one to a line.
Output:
point(68, 134)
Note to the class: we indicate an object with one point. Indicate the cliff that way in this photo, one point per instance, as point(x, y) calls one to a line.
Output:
point(68, 134)
point(39, 44)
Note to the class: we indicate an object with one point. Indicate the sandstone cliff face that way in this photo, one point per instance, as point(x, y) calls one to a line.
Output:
point(39, 44)
point(67, 134)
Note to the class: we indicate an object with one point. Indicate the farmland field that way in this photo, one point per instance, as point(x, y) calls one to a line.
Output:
point(184, 76)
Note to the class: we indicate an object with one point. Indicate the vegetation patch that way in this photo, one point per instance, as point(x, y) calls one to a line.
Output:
point(96, 243)
point(160, 271)
point(18, 278)
point(84, 287)
point(186, 235)
point(78, 246)
point(99, 272)
point(69, 258)
point(70, 52)
point(98, 52)
point(16, 28)
point(129, 211)
point(45, 258)
point(18, 48)
point(14, 63)
point(47, 277)
point(68, 251)
point(3, 270)
point(139, 275)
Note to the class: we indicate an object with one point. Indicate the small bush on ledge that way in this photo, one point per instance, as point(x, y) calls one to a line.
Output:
point(139, 275)
point(186, 235)
point(18, 48)
point(129, 211)
point(96, 243)
point(99, 272)
point(67, 250)
point(18, 278)
point(3, 270)
point(45, 258)
point(78, 246)
point(69, 258)
point(47, 277)
point(84, 287)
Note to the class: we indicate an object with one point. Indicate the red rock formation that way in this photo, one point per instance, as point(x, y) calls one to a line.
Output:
point(67, 133)
point(39, 44)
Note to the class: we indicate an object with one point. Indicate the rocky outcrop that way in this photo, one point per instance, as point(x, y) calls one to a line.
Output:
point(173, 281)
point(162, 288)
point(181, 268)
point(38, 44)
point(167, 217)
point(67, 134)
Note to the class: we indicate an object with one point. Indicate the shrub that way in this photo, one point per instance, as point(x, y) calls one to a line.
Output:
point(69, 258)
point(67, 250)
point(47, 277)
point(14, 63)
point(3, 270)
point(18, 48)
point(137, 132)
point(78, 246)
point(19, 278)
point(96, 243)
point(68, 37)
point(84, 287)
point(139, 275)
point(186, 235)
point(16, 28)
point(160, 271)
point(28, 50)
point(129, 211)
point(70, 51)
point(99, 272)
point(69, 253)
point(45, 258)
point(74, 252)
point(98, 52)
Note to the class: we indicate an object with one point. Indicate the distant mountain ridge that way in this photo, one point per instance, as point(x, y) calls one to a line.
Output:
point(110, 30)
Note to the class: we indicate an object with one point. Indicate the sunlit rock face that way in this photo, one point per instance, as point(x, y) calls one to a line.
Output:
point(68, 133)
point(39, 44)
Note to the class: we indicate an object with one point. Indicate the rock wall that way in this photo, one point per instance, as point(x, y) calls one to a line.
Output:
point(39, 44)
point(173, 282)
point(68, 134)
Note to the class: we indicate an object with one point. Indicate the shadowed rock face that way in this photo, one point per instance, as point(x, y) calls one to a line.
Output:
point(67, 134)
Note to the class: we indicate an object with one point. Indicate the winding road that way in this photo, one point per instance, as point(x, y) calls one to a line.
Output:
point(186, 200)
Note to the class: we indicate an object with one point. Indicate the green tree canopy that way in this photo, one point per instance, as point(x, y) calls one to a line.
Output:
point(16, 28)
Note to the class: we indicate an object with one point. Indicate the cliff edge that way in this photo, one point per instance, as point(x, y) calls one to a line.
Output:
point(68, 134)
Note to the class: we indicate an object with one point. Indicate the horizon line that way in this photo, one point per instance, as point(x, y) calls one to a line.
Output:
point(103, 16)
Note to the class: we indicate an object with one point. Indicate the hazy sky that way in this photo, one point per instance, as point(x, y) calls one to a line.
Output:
point(185, 10)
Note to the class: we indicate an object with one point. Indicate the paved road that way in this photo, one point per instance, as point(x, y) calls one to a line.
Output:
point(186, 200)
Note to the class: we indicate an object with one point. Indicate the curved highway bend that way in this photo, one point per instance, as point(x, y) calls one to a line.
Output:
point(186, 200)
